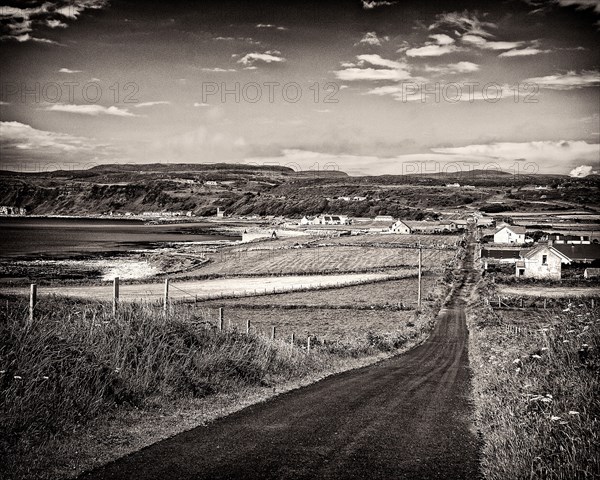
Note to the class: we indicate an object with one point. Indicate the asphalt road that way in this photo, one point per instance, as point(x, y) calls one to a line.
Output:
point(404, 418)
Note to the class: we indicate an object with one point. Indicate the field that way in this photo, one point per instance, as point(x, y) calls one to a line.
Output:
point(387, 293)
point(317, 260)
point(536, 383)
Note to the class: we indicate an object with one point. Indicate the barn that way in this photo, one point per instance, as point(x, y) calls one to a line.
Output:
point(542, 261)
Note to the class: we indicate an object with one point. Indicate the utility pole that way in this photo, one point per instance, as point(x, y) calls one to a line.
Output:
point(420, 275)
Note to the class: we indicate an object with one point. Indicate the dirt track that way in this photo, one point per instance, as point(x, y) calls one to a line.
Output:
point(404, 418)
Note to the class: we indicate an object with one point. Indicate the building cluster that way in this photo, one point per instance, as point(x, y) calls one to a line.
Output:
point(7, 210)
point(545, 259)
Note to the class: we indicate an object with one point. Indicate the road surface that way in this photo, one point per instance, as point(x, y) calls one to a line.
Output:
point(408, 417)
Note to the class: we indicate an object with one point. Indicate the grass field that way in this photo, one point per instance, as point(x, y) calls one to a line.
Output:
point(319, 260)
point(379, 294)
point(536, 383)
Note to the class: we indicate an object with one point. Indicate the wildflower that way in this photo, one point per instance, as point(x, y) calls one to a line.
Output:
point(518, 370)
point(537, 357)
point(18, 377)
point(2, 372)
point(45, 377)
point(517, 360)
point(554, 418)
point(573, 412)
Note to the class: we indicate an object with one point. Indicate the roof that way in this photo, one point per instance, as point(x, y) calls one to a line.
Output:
point(579, 252)
point(539, 248)
point(513, 228)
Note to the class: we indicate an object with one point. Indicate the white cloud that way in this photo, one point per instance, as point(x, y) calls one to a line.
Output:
point(21, 142)
point(391, 69)
point(489, 45)
point(465, 22)
point(219, 70)
point(378, 61)
point(582, 171)
point(371, 4)
point(18, 23)
point(269, 25)
point(459, 67)
point(546, 154)
point(371, 38)
point(152, 104)
point(432, 50)
point(567, 81)
point(67, 70)
point(581, 4)
point(442, 39)
point(523, 52)
point(271, 56)
point(92, 109)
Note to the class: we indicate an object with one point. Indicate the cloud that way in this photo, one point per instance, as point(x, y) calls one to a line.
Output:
point(371, 4)
point(481, 42)
point(66, 70)
point(581, 4)
point(459, 67)
point(271, 56)
point(567, 81)
point(391, 69)
point(269, 25)
point(20, 142)
point(219, 70)
point(18, 23)
point(371, 38)
point(582, 171)
point(522, 52)
point(152, 104)
point(442, 39)
point(432, 50)
point(465, 22)
point(92, 109)
point(554, 155)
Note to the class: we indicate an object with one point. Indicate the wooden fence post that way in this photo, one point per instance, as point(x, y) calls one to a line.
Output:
point(499, 302)
point(115, 295)
point(592, 303)
point(308, 345)
point(220, 321)
point(32, 301)
point(293, 338)
point(545, 300)
point(166, 297)
point(247, 326)
point(273, 332)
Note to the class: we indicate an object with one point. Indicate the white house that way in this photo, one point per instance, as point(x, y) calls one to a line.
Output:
point(383, 218)
point(510, 234)
point(400, 227)
point(542, 261)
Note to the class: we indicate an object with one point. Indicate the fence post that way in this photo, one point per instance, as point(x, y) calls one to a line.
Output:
point(247, 326)
point(499, 302)
point(115, 295)
point(545, 300)
point(592, 303)
point(293, 338)
point(308, 345)
point(521, 302)
point(220, 321)
point(32, 301)
point(273, 332)
point(166, 297)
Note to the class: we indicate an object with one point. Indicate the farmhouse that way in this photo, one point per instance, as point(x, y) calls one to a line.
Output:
point(510, 234)
point(542, 261)
point(592, 273)
point(400, 227)
point(383, 218)
point(326, 220)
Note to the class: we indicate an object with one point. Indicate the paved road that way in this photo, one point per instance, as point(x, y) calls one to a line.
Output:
point(404, 418)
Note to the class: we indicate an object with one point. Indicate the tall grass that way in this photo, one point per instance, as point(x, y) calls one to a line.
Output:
point(536, 391)
point(77, 361)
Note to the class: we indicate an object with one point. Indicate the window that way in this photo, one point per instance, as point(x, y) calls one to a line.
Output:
point(521, 272)
point(544, 259)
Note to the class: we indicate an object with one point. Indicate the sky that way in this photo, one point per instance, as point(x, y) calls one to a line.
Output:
point(368, 87)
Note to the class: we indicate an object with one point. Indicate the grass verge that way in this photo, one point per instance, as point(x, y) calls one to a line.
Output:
point(79, 387)
point(536, 385)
